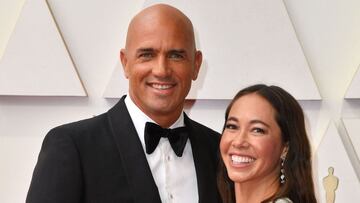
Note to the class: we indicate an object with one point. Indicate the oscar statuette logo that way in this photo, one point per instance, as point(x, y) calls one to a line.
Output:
point(330, 183)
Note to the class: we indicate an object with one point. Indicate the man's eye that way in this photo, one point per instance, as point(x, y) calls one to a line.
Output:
point(146, 55)
point(176, 56)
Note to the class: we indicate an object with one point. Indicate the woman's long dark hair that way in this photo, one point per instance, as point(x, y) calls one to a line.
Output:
point(289, 116)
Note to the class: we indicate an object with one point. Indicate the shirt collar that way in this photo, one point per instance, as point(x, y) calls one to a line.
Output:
point(139, 118)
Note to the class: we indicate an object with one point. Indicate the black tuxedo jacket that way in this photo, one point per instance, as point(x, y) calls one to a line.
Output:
point(101, 160)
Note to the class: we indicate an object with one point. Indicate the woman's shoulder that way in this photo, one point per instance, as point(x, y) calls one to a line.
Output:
point(283, 200)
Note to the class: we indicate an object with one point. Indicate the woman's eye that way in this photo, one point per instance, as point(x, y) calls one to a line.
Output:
point(231, 126)
point(259, 130)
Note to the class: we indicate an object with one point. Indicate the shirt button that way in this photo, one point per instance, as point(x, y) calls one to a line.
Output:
point(168, 158)
point(171, 196)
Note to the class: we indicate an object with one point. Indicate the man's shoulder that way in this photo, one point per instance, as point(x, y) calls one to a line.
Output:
point(86, 123)
point(94, 125)
point(202, 130)
point(81, 127)
point(202, 127)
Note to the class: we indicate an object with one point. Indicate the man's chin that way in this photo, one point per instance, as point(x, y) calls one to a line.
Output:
point(164, 109)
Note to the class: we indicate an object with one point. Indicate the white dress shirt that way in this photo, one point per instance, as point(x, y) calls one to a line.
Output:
point(174, 176)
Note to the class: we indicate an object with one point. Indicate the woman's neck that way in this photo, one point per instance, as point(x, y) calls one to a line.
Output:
point(255, 191)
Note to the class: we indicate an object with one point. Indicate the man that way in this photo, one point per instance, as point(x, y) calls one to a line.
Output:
point(109, 158)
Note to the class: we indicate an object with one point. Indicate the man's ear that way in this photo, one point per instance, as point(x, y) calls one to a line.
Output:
point(124, 60)
point(198, 61)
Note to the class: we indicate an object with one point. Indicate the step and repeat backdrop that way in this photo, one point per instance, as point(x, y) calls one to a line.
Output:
point(59, 62)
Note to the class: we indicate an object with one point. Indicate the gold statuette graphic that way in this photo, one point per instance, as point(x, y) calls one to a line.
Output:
point(330, 183)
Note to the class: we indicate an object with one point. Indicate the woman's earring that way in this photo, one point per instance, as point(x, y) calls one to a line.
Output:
point(282, 171)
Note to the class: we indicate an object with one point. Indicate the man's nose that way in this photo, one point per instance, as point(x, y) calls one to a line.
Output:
point(161, 68)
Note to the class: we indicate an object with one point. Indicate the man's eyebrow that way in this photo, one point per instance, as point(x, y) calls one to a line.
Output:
point(144, 50)
point(179, 51)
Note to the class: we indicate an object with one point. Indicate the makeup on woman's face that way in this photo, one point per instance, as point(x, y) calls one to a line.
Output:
point(251, 143)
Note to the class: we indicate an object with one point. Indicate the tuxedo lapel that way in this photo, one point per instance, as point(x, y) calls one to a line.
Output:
point(132, 155)
point(205, 165)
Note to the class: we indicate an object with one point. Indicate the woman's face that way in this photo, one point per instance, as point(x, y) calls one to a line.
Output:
point(251, 143)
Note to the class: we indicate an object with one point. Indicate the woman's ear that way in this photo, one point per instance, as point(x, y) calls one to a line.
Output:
point(284, 151)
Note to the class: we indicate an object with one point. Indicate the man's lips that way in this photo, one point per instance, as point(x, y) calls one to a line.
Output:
point(162, 86)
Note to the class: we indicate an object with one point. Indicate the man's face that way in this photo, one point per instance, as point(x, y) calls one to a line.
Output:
point(160, 62)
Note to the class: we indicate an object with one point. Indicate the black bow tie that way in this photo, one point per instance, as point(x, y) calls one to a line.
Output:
point(177, 137)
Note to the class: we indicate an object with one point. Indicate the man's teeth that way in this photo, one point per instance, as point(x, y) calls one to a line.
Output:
point(161, 87)
point(241, 159)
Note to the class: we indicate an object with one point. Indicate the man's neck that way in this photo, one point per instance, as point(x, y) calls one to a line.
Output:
point(166, 119)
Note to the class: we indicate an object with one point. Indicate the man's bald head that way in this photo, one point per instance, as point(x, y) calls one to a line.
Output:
point(160, 15)
point(160, 61)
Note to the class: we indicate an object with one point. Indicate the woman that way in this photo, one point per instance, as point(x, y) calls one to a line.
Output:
point(265, 150)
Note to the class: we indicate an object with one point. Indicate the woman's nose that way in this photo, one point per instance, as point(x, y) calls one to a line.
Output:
point(240, 140)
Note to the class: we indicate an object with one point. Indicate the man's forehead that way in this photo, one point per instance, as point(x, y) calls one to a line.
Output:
point(154, 27)
point(160, 21)
point(149, 49)
point(160, 41)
